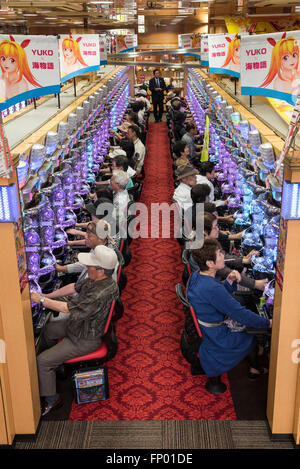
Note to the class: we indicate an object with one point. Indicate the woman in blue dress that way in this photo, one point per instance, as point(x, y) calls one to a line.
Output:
point(221, 348)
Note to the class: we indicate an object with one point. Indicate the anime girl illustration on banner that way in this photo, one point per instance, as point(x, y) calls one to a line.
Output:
point(126, 43)
point(283, 73)
point(121, 44)
point(29, 68)
point(16, 76)
point(224, 54)
point(72, 58)
point(190, 41)
point(79, 54)
point(270, 65)
point(232, 61)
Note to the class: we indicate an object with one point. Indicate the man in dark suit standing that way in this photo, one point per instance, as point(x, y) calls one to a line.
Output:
point(157, 86)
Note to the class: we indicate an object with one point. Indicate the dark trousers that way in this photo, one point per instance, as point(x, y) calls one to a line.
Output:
point(158, 107)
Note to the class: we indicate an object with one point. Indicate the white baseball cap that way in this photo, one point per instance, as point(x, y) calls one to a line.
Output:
point(101, 257)
point(115, 153)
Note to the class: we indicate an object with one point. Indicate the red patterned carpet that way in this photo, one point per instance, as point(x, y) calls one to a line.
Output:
point(148, 378)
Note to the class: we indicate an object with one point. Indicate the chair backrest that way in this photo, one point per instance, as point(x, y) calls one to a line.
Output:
point(185, 256)
point(108, 320)
point(182, 296)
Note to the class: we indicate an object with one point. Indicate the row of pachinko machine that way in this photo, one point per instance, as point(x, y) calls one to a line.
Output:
point(245, 170)
point(56, 178)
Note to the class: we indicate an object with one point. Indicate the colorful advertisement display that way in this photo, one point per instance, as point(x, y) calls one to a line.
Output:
point(204, 50)
point(239, 25)
point(103, 49)
point(190, 41)
point(29, 68)
point(126, 43)
point(284, 110)
point(224, 54)
point(270, 65)
point(79, 53)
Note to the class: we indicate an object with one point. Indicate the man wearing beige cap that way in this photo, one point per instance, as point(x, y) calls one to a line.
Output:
point(186, 175)
point(82, 330)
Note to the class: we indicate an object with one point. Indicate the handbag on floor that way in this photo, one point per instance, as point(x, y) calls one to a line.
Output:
point(90, 384)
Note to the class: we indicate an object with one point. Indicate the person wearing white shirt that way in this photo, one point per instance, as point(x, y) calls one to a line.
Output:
point(139, 147)
point(207, 173)
point(186, 174)
point(118, 183)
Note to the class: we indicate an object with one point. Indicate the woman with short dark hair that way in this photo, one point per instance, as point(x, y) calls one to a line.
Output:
point(222, 347)
point(181, 151)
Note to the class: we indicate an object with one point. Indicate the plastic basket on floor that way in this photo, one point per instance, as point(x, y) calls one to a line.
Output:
point(90, 385)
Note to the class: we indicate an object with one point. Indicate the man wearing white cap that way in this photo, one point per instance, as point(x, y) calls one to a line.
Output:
point(82, 330)
point(97, 234)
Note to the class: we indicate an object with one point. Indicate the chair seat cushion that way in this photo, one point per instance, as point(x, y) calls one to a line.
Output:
point(101, 352)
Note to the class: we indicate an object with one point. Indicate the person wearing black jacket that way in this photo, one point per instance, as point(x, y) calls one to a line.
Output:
point(157, 86)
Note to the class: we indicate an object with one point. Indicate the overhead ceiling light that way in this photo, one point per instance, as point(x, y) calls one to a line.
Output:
point(102, 2)
point(50, 18)
point(30, 14)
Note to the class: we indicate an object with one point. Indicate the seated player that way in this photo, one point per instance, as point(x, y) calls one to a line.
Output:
point(82, 329)
point(221, 348)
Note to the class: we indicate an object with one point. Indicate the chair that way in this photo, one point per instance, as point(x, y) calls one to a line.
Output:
point(125, 250)
point(139, 191)
point(118, 311)
point(190, 342)
point(133, 191)
point(107, 349)
point(131, 214)
point(121, 278)
point(185, 256)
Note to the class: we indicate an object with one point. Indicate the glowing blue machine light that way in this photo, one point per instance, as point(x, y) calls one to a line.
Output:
point(291, 201)
point(9, 204)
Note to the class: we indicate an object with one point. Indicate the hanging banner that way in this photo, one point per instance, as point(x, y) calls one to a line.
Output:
point(204, 50)
point(190, 41)
point(126, 43)
point(270, 65)
point(79, 54)
point(224, 54)
point(204, 153)
point(29, 68)
point(103, 49)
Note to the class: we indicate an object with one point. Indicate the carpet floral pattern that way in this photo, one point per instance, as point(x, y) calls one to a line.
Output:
point(148, 378)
